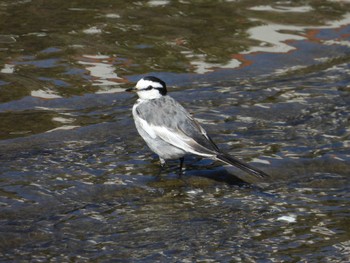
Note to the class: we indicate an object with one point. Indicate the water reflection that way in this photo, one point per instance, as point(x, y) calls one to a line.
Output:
point(126, 35)
point(101, 69)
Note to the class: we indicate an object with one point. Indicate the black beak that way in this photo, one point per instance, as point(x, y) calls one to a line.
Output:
point(132, 89)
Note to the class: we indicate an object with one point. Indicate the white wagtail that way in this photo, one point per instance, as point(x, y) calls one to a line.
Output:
point(170, 131)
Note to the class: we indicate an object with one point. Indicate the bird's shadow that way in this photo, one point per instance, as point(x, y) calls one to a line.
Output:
point(202, 168)
point(212, 172)
point(218, 174)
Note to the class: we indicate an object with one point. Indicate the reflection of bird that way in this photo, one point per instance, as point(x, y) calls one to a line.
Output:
point(170, 131)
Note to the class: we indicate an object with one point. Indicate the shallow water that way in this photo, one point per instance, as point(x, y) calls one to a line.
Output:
point(270, 83)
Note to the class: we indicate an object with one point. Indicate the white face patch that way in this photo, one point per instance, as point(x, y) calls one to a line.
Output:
point(143, 84)
point(150, 94)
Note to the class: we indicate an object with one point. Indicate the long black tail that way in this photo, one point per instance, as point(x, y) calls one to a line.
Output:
point(245, 167)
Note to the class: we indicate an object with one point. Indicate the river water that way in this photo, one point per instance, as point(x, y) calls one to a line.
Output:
point(268, 80)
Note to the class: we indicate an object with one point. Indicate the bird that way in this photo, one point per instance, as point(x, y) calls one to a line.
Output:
point(171, 132)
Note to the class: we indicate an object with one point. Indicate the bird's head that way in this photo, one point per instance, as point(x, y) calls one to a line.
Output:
point(149, 88)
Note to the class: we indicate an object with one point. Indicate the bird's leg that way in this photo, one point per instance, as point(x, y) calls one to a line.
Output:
point(162, 164)
point(181, 164)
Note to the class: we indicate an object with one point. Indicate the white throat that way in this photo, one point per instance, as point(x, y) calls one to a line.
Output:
point(149, 94)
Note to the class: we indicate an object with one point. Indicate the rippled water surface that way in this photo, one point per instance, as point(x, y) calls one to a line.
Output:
point(268, 80)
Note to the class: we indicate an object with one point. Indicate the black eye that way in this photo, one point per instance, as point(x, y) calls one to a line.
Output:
point(149, 88)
